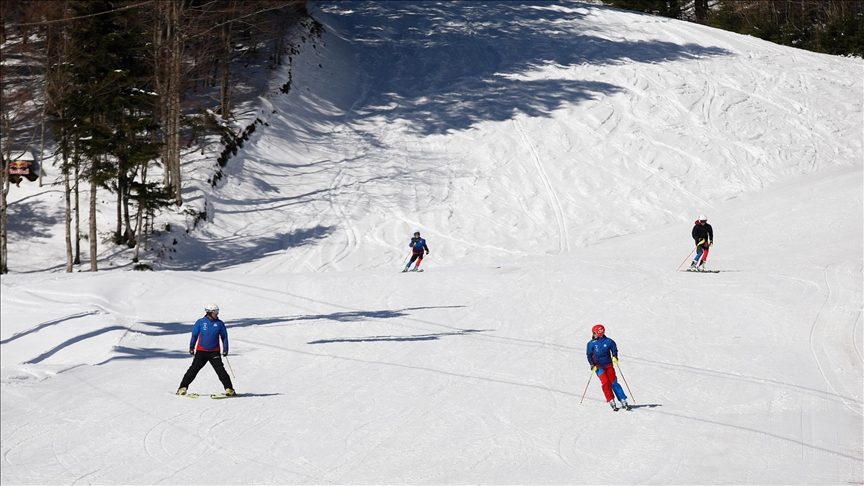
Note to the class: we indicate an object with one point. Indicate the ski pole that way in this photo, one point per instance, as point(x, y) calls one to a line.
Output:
point(229, 367)
point(586, 388)
point(688, 256)
point(625, 382)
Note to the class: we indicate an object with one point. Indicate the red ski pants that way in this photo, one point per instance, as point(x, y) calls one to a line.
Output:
point(702, 253)
point(607, 379)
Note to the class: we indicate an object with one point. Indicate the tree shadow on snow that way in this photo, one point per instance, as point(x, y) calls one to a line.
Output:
point(46, 324)
point(73, 340)
point(126, 353)
point(28, 220)
point(160, 329)
point(212, 254)
point(448, 65)
point(414, 337)
point(349, 316)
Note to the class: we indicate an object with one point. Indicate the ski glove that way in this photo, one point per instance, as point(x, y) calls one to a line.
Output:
point(700, 242)
point(711, 244)
point(614, 359)
point(427, 252)
point(596, 370)
point(225, 353)
point(191, 350)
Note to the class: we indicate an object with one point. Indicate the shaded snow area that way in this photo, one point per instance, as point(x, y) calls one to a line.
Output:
point(555, 157)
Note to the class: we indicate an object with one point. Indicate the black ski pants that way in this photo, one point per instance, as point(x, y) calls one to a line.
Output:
point(201, 358)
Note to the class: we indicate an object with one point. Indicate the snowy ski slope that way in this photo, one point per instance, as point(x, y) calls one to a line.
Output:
point(554, 155)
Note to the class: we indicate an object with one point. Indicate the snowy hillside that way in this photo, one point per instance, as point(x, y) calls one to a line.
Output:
point(501, 129)
point(555, 156)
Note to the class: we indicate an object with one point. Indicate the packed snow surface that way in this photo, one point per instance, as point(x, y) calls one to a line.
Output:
point(555, 157)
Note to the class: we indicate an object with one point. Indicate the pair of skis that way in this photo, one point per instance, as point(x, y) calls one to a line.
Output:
point(693, 270)
point(215, 396)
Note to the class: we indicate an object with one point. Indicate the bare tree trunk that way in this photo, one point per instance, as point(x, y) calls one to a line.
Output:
point(224, 89)
point(46, 96)
point(42, 141)
point(174, 104)
point(139, 218)
point(4, 180)
point(76, 187)
point(701, 8)
point(159, 79)
point(147, 220)
point(118, 233)
point(138, 221)
point(94, 255)
point(169, 42)
point(129, 233)
point(67, 223)
point(5, 161)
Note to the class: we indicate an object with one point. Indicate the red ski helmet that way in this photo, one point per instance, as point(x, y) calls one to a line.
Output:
point(599, 330)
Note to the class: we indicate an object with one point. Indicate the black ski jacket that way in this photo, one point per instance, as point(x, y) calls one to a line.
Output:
point(702, 232)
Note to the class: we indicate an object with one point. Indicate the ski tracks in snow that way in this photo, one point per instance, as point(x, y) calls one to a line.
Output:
point(352, 243)
point(555, 203)
point(833, 332)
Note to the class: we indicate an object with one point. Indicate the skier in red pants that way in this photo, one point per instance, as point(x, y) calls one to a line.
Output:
point(418, 246)
point(703, 236)
point(602, 356)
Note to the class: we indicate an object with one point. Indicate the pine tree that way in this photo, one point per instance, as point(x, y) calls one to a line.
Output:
point(109, 109)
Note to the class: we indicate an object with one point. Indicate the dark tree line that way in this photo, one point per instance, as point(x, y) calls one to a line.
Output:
point(122, 86)
point(828, 26)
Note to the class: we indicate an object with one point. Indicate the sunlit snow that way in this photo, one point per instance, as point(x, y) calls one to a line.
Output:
point(555, 157)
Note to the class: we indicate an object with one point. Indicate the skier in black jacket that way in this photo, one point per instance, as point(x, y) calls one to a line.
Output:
point(703, 236)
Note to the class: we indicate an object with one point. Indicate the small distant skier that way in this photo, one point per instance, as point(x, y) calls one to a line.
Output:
point(204, 345)
point(703, 236)
point(602, 356)
point(418, 246)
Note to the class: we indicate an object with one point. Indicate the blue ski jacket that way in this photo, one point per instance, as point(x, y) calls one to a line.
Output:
point(600, 352)
point(418, 245)
point(206, 335)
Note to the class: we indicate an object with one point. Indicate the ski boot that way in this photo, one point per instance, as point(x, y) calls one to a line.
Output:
point(181, 391)
point(693, 266)
point(625, 405)
point(229, 392)
point(701, 266)
point(404, 269)
point(612, 404)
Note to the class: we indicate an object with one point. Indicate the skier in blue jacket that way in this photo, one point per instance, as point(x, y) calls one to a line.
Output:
point(204, 345)
point(418, 246)
point(602, 356)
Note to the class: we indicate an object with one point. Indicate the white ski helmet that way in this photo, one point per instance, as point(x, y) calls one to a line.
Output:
point(702, 217)
point(211, 308)
point(417, 232)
